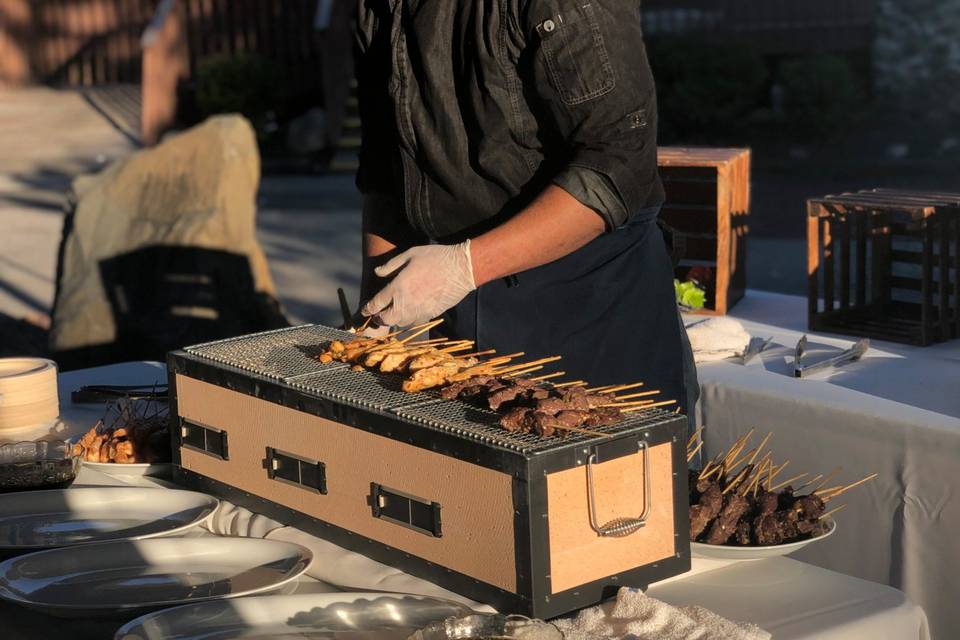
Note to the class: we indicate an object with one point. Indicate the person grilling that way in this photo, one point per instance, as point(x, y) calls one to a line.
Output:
point(509, 178)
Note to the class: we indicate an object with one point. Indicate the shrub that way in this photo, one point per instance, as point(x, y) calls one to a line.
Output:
point(821, 94)
point(244, 83)
point(706, 91)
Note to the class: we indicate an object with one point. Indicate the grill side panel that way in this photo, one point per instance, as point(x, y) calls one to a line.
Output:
point(476, 503)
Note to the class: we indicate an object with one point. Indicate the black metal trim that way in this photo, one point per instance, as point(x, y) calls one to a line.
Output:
point(373, 549)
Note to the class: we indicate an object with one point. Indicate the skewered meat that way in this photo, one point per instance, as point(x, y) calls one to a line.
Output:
point(708, 508)
point(725, 524)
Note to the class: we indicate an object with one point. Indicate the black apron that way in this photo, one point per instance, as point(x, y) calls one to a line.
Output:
point(608, 308)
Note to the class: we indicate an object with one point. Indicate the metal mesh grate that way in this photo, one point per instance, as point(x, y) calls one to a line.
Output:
point(282, 354)
point(362, 389)
point(484, 425)
point(290, 355)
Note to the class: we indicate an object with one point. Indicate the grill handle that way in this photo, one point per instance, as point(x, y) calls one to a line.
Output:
point(620, 527)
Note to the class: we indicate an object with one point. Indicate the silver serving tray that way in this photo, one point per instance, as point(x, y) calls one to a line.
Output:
point(370, 616)
point(82, 515)
point(119, 578)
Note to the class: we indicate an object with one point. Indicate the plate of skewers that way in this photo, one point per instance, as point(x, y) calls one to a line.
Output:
point(741, 509)
point(541, 405)
point(132, 439)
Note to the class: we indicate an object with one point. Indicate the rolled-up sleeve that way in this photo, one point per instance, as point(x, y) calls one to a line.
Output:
point(590, 71)
point(372, 68)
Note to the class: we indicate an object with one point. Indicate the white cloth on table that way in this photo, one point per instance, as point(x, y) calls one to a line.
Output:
point(895, 412)
point(637, 616)
point(717, 338)
point(331, 564)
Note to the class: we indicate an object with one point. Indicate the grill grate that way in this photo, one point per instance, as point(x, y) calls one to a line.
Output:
point(289, 355)
point(483, 425)
point(283, 354)
point(362, 389)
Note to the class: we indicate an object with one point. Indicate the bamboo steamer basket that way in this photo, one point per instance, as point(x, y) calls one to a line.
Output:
point(28, 394)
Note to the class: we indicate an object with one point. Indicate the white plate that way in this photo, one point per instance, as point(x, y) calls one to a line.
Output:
point(158, 469)
point(64, 517)
point(371, 616)
point(727, 552)
point(117, 578)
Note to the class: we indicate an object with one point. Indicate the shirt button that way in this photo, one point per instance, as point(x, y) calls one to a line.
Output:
point(549, 26)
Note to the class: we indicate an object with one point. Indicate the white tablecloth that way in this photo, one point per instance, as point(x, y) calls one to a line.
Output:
point(897, 412)
point(790, 599)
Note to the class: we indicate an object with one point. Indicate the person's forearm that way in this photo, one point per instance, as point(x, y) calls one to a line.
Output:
point(553, 226)
point(376, 248)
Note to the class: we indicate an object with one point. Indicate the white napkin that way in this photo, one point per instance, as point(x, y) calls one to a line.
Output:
point(637, 616)
point(717, 338)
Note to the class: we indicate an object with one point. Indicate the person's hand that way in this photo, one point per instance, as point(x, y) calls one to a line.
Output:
point(428, 281)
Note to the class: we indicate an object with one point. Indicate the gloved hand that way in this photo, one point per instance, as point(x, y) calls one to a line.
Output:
point(428, 281)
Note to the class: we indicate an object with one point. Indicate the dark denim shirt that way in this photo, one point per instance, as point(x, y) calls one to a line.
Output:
point(470, 108)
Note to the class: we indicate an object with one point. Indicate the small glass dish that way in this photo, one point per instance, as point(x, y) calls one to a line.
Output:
point(489, 627)
point(42, 464)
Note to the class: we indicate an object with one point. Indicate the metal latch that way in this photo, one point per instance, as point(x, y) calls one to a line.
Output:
point(625, 526)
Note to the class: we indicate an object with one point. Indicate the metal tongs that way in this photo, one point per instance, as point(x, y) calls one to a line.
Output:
point(852, 354)
point(100, 393)
point(755, 348)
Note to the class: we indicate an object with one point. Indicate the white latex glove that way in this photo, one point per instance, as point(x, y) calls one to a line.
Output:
point(428, 281)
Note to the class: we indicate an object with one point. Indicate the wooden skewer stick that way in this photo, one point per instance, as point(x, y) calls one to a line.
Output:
point(366, 323)
point(517, 367)
point(810, 481)
point(691, 454)
point(477, 354)
point(649, 406)
point(623, 387)
point(460, 347)
point(549, 376)
point(642, 394)
point(780, 485)
point(778, 470)
point(762, 444)
point(601, 389)
point(693, 438)
point(707, 469)
point(500, 359)
point(768, 464)
point(421, 330)
point(752, 479)
point(523, 371)
point(564, 385)
point(733, 483)
point(824, 492)
point(831, 512)
point(825, 479)
point(426, 343)
point(596, 434)
point(851, 486)
point(632, 403)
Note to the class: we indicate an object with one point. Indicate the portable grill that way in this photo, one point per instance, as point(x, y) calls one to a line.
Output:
point(533, 525)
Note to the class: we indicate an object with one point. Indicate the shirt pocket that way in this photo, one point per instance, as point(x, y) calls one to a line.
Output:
point(576, 55)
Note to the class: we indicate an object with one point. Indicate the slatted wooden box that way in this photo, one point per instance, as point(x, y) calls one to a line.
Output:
point(707, 206)
point(885, 264)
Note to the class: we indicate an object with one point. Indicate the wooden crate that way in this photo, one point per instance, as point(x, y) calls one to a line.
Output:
point(885, 264)
point(707, 205)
